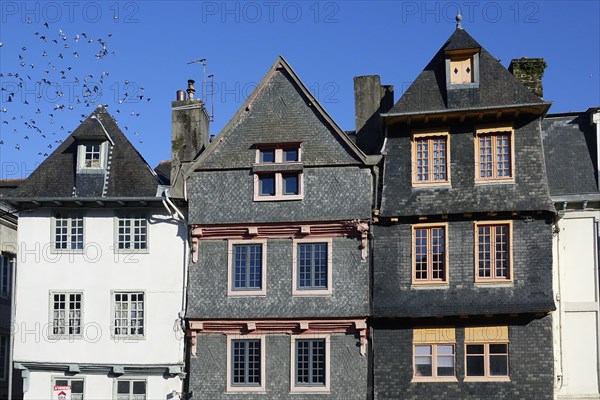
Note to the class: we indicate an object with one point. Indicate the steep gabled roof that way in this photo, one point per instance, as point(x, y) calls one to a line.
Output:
point(127, 173)
point(274, 77)
point(497, 87)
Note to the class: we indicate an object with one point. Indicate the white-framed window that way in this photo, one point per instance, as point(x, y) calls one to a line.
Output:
point(131, 232)
point(91, 156)
point(130, 389)
point(278, 172)
point(310, 369)
point(7, 262)
point(4, 350)
point(128, 314)
point(247, 268)
point(77, 386)
point(312, 269)
point(246, 363)
point(66, 314)
point(68, 231)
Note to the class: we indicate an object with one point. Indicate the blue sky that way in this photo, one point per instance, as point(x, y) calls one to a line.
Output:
point(135, 54)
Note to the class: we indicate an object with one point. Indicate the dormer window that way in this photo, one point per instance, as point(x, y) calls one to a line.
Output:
point(462, 69)
point(91, 156)
point(278, 172)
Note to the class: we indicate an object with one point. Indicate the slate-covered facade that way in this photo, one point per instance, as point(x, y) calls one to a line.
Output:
point(462, 282)
point(571, 144)
point(278, 295)
point(100, 278)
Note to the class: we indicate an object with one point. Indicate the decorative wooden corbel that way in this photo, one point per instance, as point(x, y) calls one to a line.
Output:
point(194, 250)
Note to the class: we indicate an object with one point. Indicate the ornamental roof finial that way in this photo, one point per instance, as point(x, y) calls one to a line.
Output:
point(458, 19)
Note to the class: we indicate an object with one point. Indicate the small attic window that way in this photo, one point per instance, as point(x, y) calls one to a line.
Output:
point(91, 156)
point(462, 69)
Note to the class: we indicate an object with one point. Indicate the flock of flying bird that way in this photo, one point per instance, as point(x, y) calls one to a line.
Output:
point(46, 90)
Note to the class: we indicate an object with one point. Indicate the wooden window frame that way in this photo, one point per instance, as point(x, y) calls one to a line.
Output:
point(129, 218)
point(236, 388)
point(493, 278)
point(434, 337)
point(487, 377)
point(494, 132)
point(231, 292)
point(310, 388)
point(7, 262)
point(429, 135)
point(429, 281)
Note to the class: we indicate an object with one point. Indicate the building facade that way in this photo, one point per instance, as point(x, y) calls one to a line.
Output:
point(571, 152)
point(102, 255)
point(462, 283)
point(279, 213)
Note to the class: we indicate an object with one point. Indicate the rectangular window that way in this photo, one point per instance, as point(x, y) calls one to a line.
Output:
point(246, 270)
point(245, 363)
point(495, 154)
point(279, 172)
point(247, 267)
point(131, 389)
point(310, 369)
point(430, 159)
point(486, 353)
point(493, 249)
point(132, 232)
point(429, 254)
point(92, 155)
point(434, 354)
point(266, 184)
point(312, 267)
point(68, 231)
point(128, 314)
point(4, 350)
point(76, 387)
point(7, 262)
point(66, 314)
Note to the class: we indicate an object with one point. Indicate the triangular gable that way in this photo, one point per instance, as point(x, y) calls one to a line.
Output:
point(497, 87)
point(277, 78)
point(128, 174)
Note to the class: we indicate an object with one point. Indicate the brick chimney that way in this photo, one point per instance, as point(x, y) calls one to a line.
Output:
point(189, 134)
point(370, 99)
point(530, 72)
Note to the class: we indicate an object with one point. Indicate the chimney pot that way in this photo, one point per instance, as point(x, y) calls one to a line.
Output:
point(190, 89)
point(180, 95)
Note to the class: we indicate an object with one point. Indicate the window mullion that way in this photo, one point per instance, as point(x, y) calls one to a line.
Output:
point(429, 252)
point(246, 362)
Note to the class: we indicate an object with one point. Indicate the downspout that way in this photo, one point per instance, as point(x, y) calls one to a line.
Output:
point(13, 282)
point(559, 375)
point(597, 275)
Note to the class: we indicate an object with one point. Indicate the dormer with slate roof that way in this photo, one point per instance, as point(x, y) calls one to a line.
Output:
point(95, 163)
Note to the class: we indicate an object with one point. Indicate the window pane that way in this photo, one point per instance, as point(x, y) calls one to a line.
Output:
point(498, 348)
point(290, 184)
point(475, 366)
point(139, 387)
point(76, 386)
point(290, 155)
point(498, 365)
point(123, 387)
point(267, 156)
point(267, 185)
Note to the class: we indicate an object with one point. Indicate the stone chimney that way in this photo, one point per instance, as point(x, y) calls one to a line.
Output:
point(530, 72)
point(370, 99)
point(189, 134)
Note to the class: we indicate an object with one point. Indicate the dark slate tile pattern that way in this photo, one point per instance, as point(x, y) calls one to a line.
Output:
point(570, 150)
